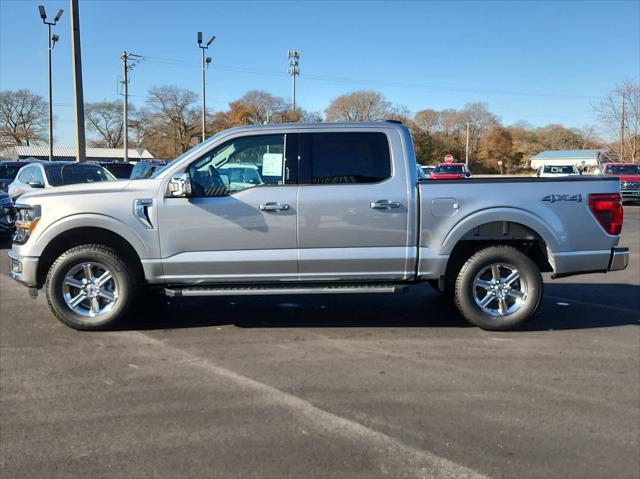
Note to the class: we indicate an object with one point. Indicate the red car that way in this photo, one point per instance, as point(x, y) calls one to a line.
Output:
point(450, 171)
point(629, 175)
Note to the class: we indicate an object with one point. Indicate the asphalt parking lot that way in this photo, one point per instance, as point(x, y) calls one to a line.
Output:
point(328, 386)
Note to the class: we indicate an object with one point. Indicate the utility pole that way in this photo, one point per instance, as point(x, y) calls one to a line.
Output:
point(294, 71)
point(466, 151)
point(77, 81)
point(205, 64)
point(126, 66)
point(622, 128)
point(52, 42)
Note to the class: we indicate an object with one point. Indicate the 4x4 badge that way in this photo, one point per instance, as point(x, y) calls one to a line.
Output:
point(554, 198)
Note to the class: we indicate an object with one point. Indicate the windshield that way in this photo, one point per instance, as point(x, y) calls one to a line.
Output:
point(69, 174)
point(623, 170)
point(9, 171)
point(567, 170)
point(450, 169)
point(199, 146)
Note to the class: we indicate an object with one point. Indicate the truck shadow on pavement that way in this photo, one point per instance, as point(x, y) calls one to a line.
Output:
point(566, 306)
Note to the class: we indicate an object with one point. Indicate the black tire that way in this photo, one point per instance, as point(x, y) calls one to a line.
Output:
point(531, 282)
point(97, 255)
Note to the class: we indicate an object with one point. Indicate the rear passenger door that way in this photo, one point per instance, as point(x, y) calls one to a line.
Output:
point(352, 207)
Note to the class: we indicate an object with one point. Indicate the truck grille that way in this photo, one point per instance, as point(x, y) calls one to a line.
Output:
point(630, 185)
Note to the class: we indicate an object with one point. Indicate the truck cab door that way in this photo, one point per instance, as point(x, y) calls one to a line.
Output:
point(353, 207)
point(234, 231)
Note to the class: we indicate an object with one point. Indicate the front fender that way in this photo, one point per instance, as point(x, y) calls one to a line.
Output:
point(144, 247)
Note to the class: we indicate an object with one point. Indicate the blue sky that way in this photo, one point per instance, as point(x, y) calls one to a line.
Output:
point(541, 62)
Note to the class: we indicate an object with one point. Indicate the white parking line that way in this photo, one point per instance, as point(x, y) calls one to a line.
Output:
point(597, 305)
point(394, 457)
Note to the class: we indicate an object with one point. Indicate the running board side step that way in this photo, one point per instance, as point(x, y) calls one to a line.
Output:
point(274, 290)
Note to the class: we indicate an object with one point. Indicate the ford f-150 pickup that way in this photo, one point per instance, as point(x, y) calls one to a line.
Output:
point(330, 208)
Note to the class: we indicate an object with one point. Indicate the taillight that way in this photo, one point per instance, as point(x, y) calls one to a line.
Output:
point(607, 208)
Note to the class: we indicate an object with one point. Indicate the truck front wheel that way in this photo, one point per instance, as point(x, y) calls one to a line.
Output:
point(89, 287)
point(498, 288)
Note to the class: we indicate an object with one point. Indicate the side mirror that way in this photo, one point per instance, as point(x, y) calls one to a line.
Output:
point(179, 186)
point(225, 179)
point(36, 184)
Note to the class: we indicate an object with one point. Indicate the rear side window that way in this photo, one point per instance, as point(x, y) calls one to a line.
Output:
point(345, 158)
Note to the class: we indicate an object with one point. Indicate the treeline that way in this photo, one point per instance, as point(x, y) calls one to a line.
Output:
point(169, 123)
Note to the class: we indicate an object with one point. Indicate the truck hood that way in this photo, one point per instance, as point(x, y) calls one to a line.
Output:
point(447, 176)
point(81, 189)
point(628, 177)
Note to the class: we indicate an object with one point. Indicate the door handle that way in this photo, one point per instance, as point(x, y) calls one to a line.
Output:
point(384, 205)
point(272, 206)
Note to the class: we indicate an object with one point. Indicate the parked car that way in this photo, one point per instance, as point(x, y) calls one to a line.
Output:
point(46, 174)
point(450, 171)
point(421, 175)
point(428, 169)
point(341, 211)
point(146, 168)
point(8, 172)
point(6, 213)
point(119, 169)
point(556, 171)
point(629, 175)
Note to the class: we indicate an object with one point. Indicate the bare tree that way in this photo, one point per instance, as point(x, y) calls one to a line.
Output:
point(358, 106)
point(171, 120)
point(106, 120)
point(262, 107)
point(590, 138)
point(609, 110)
point(429, 121)
point(23, 118)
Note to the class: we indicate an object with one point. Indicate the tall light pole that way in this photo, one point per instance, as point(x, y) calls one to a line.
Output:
point(205, 63)
point(466, 150)
point(52, 42)
point(76, 54)
point(294, 71)
point(126, 66)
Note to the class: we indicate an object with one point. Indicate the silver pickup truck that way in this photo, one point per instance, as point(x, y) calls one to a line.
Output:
point(312, 209)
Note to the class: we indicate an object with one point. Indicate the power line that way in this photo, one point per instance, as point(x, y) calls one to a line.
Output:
point(335, 79)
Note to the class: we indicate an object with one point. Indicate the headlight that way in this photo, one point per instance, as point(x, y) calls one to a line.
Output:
point(27, 218)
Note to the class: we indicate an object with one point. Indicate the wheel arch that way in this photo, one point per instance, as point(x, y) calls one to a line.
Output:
point(86, 235)
point(479, 235)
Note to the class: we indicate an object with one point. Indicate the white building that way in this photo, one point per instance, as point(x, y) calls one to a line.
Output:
point(577, 158)
point(64, 153)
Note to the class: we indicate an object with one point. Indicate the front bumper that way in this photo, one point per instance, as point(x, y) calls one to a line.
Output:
point(619, 259)
point(630, 194)
point(24, 269)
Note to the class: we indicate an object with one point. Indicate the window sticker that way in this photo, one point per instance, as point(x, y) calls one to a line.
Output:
point(272, 164)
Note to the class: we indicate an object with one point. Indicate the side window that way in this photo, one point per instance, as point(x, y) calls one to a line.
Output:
point(37, 175)
point(239, 164)
point(26, 175)
point(341, 158)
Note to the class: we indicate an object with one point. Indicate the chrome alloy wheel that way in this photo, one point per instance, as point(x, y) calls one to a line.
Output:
point(90, 289)
point(499, 289)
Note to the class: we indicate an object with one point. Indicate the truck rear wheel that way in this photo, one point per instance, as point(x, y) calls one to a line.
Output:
point(498, 288)
point(89, 287)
